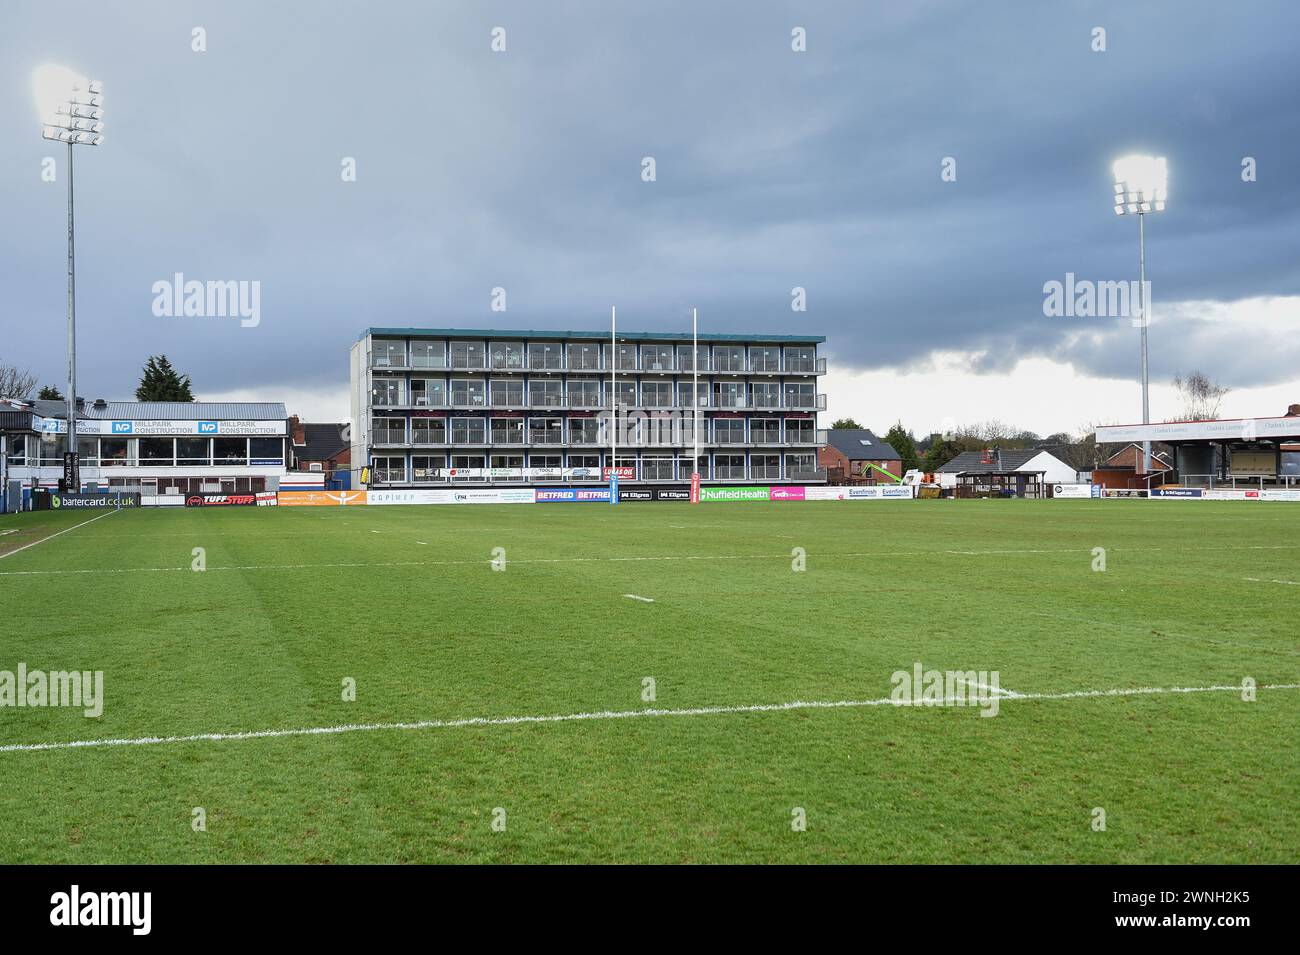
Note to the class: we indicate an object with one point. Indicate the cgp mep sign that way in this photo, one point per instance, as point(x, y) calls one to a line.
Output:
point(134, 428)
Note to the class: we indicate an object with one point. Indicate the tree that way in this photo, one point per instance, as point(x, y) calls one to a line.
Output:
point(50, 393)
point(903, 442)
point(161, 382)
point(843, 424)
point(14, 383)
point(1200, 397)
point(941, 450)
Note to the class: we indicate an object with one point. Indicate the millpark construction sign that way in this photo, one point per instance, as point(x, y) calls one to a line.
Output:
point(131, 429)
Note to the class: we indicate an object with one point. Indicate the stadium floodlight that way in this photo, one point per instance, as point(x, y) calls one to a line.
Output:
point(1142, 186)
point(71, 110)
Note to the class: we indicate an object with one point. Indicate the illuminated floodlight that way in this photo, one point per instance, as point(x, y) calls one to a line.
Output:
point(1141, 184)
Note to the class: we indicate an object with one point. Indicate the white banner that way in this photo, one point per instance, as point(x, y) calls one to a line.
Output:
point(1237, 429)
point(132, 429)
point(1071, 490)
point(879, 492)
point(517, 495)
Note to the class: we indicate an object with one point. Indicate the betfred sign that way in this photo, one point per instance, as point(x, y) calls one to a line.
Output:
point(221, 500)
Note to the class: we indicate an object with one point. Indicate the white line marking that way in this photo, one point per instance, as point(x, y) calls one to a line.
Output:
point(1261, 580)
point(19, 550)
point(648, 600)
point(1001, 692)
point(425, 543)
point(606, 715)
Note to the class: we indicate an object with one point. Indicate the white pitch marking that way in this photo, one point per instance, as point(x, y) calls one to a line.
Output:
point(648, 600)
point(19, 550)
point(608, 715)
point(1261, 580)
point(1000, 691)
point(425, 543)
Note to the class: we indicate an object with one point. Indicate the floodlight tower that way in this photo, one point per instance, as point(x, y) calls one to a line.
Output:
point(72, 111)
point(1141, 186)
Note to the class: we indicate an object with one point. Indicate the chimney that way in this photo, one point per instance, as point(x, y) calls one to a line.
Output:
point(296, 429)
point(1293, 411)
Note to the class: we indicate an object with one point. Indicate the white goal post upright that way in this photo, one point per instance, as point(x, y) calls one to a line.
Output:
point(613, 404)
point(695, 405)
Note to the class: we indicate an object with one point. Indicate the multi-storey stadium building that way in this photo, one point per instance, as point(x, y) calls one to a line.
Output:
point(437, 406)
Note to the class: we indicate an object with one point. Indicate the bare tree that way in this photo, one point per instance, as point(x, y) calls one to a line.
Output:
point(15, 383)
point(1200, 397)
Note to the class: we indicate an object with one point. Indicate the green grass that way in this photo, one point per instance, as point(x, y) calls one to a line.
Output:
point(294, 600)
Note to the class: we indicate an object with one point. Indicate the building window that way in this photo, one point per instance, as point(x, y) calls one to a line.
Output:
point(799, 431)
point(626, 393)
point(765, 467)
point(657, 357)
point(656, 469)
point(800, 358)
point(626, 357)
point(507, 355)
point(193, 451)
point(467, 393)
point(388, 354)
point(660, 430)
point(508, 393)
point(728, 358)
point(230, 451)
point(799, 394)
point(468, 431)
point(688, 363)
point(764, 358)
point(466, 462)
point(545, 393)
point(584, 431)
point(428, 354)
point(467, 355)
point(729, 394)
point(507, 430)
point(800, 466)
point(701, 391)
point(387, 392)
point(765, 430)
point(767, 394)
point(729, 431)
point(159, 452)
point(427, 468)
point(546, 431)
point(265, 450)
point(387, 430)
point(428, 431)
point(657, 394)
point(729, 467)
point(584, 467)
point(584, 393)
point(113, 452)
point(388, 470)
point(545, 467)
point(546, 355)
point(507, 467)
point(584, 357)
point(428, 392)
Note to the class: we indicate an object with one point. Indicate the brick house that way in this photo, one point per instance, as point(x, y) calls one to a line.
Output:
point(849, 452)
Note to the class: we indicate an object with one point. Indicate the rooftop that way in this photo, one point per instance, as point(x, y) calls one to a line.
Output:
point(553, 334)
point(166, 410)
point(860, 444)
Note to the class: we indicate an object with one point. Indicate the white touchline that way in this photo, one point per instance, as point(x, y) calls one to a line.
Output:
point(19, 550)
point(648, 600)
point(1001, 691)
point(1261, 580)
point(610, 715)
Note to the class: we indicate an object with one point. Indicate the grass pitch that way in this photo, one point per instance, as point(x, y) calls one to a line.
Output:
point(404, 601)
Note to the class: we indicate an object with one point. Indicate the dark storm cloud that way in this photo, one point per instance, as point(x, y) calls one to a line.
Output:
point(521, 170)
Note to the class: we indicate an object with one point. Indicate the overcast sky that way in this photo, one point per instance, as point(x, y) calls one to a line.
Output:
point(774, 169)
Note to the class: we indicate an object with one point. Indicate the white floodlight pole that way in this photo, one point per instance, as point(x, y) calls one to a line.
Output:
point(1141, 186)
point(613, 404)
point(76, 120)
